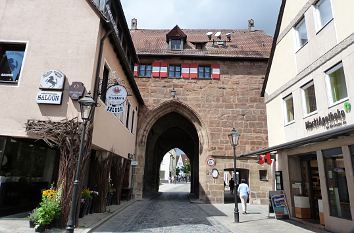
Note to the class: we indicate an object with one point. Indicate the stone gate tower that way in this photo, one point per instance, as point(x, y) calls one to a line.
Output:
point(197, 86)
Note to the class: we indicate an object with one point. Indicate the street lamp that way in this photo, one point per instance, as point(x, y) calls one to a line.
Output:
point(87, 105)
point(234, 136)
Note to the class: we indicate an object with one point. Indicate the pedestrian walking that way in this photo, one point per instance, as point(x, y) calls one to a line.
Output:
point(232, 185)
point(243, 191)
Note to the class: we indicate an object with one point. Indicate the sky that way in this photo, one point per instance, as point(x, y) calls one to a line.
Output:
point(203, 14)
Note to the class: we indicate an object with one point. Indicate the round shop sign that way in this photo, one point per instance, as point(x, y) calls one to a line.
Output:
point(211, 162)
point(116, 95)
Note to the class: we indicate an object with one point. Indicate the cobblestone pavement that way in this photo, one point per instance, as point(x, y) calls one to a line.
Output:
point(169, 212)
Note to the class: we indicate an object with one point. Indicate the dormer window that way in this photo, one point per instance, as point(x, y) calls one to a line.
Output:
point(176, 44)
point(176, 38)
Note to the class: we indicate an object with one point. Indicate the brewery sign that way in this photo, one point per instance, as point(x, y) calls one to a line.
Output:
point(49, 97)
point(116, 96)
point(53, 80)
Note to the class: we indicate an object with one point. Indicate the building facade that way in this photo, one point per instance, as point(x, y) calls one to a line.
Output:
point(309, 115)
point(197, 85)
point(73, 42)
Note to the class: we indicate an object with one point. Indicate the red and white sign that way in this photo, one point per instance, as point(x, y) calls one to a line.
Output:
point(211, 162)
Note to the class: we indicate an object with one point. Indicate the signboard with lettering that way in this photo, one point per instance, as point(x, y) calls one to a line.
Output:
point(53, 79)
point(49, 97)
point(116, 95)
point(278, 204)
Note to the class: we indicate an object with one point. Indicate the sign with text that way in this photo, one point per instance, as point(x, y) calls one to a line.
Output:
point(116, 95)
point(49, 97)
point(279, 204)
point(53, 79)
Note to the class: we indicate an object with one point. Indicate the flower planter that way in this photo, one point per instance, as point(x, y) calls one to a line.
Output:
point(39, 228)
point(31, 224)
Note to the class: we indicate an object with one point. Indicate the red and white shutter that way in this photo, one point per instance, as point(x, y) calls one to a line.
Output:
point(156, 69)
point(185, 71)
point(136, 66)
point(163, 70)
point(193, 70)
point(215, 71)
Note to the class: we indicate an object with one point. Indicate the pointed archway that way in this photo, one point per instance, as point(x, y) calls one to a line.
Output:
point(172, 124)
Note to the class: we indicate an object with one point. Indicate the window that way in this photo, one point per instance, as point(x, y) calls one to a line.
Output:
point(263, 175)
point(176, 44)
point(338, 196)
point(11, 58)
point(204, 72)
point(323, 13)
point(104, 83)
point(145, 70)
point(309, 98)
point(132, 128)
point(289, 108)
point(301, 33)
point(336, 86)
point(127, 119)
point(174, 71)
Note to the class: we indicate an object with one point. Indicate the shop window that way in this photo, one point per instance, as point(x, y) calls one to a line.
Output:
point(176, 44)
point(301, 33)
point(11, 58)
point(289, 108)
point(336, 85)
point(263, 175)
point(204, 72)
point(145, 70)
point(323, 13)
point(309, 98)
point(174, 71)
point(337, 187)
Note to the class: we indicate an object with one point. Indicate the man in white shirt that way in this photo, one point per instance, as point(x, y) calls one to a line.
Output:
point(243, 191)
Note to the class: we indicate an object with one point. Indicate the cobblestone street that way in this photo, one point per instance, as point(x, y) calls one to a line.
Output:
point(172, 211)
point(169, 212)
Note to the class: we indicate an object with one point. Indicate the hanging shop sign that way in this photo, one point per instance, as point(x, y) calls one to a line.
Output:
point(116, 96)
point(49, 97)
point(332, 120)
point(53, 80)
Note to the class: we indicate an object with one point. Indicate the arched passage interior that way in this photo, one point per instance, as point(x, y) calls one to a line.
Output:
point(170, 131)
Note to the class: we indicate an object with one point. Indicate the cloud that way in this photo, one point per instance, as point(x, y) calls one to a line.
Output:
point(228, 14)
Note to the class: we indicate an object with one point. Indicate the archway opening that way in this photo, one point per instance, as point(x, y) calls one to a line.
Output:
point(175, 168)
point(169, 132)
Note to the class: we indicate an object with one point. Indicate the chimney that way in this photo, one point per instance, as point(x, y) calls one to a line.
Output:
point(250, 25)
point(134, 25)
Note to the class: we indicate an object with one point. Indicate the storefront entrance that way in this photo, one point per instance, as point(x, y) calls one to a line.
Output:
point(26, 167)
point(305, 185)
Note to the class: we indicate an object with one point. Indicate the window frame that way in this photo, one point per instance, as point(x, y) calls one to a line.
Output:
point(18, 45)
point(303, 94)
point(317, 14)
point(299, 45)
point(175, 48)
point(203, 67)
point(174, 70)
point(145, 75)
point(329, 86)
point(286, 121)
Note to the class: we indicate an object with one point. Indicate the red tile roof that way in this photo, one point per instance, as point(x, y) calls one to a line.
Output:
point(244, 43)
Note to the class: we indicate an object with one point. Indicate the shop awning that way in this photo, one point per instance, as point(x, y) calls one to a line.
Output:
point(342, 131)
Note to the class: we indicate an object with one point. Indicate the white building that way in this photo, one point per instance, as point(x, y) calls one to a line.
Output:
point(308, 95)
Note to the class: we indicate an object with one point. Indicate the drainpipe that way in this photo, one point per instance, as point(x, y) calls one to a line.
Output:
point(97, 78)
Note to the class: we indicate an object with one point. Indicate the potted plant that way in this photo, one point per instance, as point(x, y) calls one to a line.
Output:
point(86, 201)
point(32, 218)
point(48, 210)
